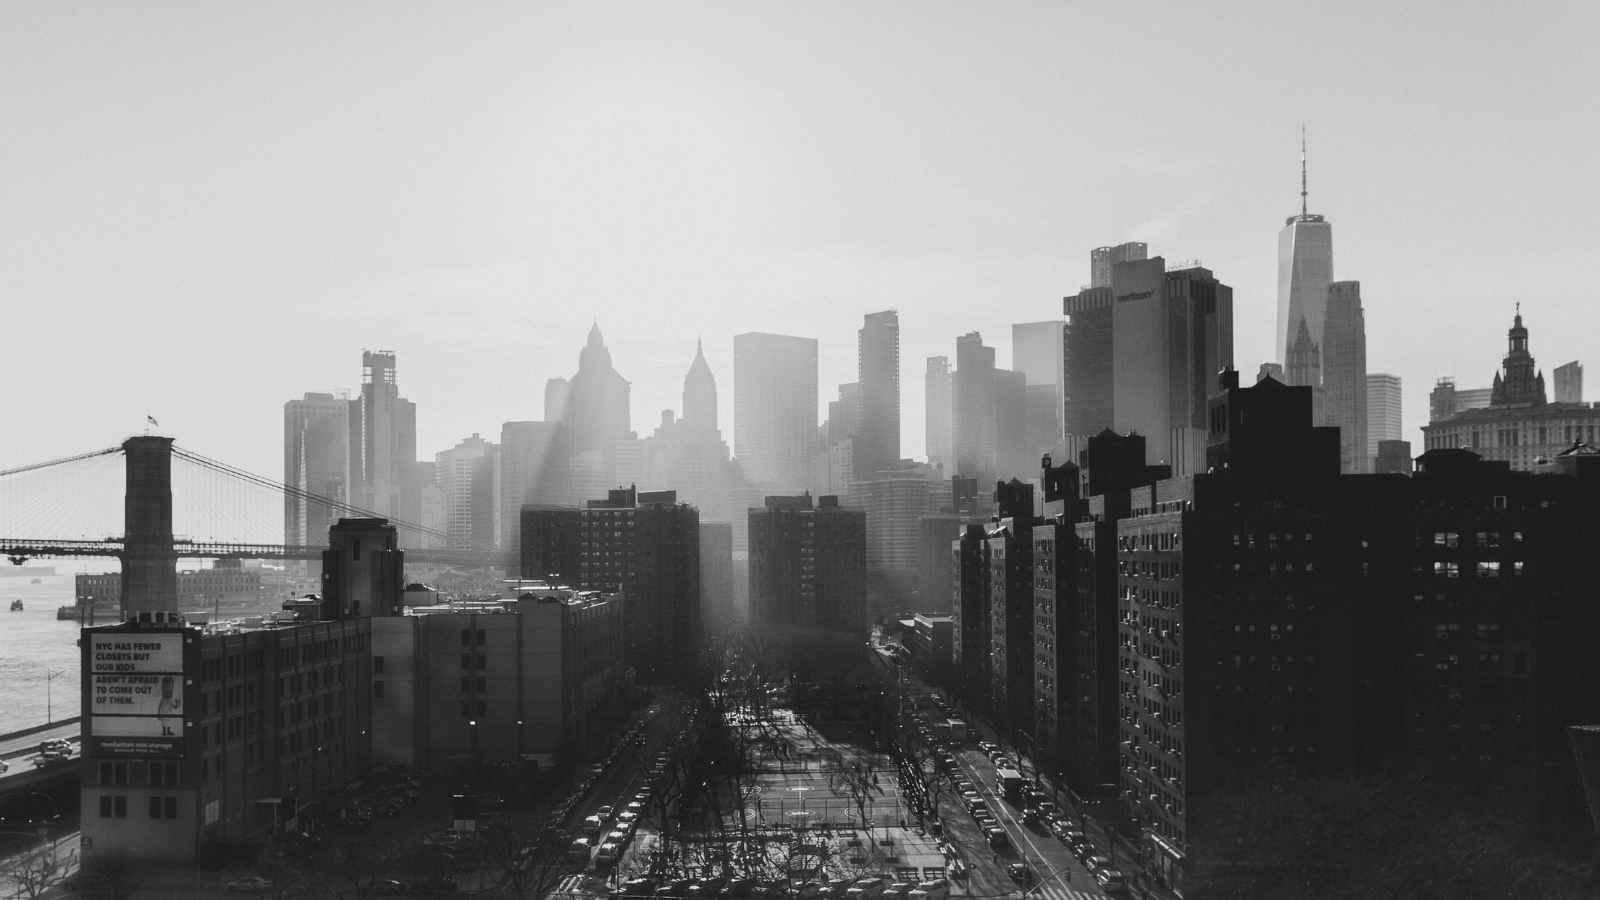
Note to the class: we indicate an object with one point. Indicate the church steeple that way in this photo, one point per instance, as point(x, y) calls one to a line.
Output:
point(700, 392)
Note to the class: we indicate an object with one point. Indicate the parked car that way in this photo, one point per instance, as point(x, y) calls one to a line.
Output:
point(931, 890)
point(249, 884)
point(1020, 873)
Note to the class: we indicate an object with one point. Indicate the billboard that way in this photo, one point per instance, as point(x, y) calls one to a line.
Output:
point(135, 694)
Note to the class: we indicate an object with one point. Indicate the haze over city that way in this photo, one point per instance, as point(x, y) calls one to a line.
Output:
point(209, 212)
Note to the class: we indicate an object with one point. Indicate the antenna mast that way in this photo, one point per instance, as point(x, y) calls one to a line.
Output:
point(1303, 208)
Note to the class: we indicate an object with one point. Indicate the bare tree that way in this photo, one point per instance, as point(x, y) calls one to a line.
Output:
point(39, 868)
point(853, 778)
point(357, 867)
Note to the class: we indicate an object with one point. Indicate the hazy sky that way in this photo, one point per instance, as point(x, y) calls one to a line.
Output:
point(209, 208)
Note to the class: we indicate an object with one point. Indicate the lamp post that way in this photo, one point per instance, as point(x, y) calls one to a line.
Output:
point(49, 677)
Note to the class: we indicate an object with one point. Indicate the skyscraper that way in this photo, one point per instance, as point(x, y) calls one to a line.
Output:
point(1344, 375)
point(1014, 455)
point(1037, 352)
point(1305, 269)
point(316, 458)
point(466, 474)
point(976, 452)
point(1087, 354)
point(597, 415)
point(1171, 333)
point(1569, 383)
point(775, 408)
point(555, 398)
point(937, 387)
point(808, 567)
point(700, 393)
point(878, 372)
point(1383, 410)
point(383, 443)
point(1103, 259)
point(533, 469)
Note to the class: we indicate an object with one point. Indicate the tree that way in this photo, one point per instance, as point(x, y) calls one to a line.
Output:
point(853, 778)
point(358, 866)
point(39, 868)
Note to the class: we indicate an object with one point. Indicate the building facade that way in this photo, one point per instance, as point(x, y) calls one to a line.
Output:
point(316, 460)
point(877, 429)
point(1344, 374)
point(774, 408)
point(1383, 410)
point(937, 388)
point(1569, 382)
point(808, 567)
point(973, 413)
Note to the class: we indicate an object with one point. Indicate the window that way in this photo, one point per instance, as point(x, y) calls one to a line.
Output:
point(119, 807)
point(105, 806)
point(377, 690)
point(377, 665)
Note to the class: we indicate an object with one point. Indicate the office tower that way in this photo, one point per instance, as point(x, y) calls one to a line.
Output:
point(466, 474)
point(700, 393)
point(1305, 269)
point(1041, 432)
point(774, 408)
point(1086, 358)
point(1383, 410)
point(973, 395)
point(1171, 333)
point(895, 499)
point(844, 414)
point(533, 469)
point(716, 575)
point(316, 459)
point(808, 568)
point(937, 387)
point(597, 414)
point(877, 428)
point(644, 544)
point(383, 443)
point(1344, 374)
point(556, 391)
point(1103, 259)
point(1037, 350)
point(1013, 454)
point(1568, 383)
point(1518, 426)
point(529, 674)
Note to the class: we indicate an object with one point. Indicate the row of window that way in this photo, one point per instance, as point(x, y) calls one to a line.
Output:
point(115, 806)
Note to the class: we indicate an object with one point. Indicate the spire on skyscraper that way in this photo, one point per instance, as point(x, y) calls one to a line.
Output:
point(1304, 209)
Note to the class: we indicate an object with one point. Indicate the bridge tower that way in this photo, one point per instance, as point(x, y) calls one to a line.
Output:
point(149, 562)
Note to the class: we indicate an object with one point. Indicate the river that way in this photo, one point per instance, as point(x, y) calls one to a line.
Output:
point(33, 644)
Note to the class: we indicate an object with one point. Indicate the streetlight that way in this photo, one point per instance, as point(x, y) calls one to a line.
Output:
point(49, 677)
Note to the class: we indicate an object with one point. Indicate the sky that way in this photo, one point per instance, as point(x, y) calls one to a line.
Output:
point(209, 208)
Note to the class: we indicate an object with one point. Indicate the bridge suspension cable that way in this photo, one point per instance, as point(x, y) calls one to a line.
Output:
point(273, 484)
point(59, 462)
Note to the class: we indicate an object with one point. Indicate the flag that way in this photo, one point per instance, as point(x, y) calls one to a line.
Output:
point(152, 420)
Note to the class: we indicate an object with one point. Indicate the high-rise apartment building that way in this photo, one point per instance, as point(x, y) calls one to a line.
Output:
point(808, 567)
point(716, 575)
point(644, 544)
point(1383, 410)
point(775, 408)
point(895, 499)
point(1344, 374)
point(973, 395)
point(877, 428)
point(316, 459)
point(937, 387)
point(467, 475)
point(383, 443)
point(1569, 383)
point(1103, 259)
point(1011, 651)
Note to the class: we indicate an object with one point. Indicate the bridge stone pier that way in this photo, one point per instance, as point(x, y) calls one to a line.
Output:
point(149, 562)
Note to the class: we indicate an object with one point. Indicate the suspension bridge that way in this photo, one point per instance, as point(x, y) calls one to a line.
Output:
point(70, 507)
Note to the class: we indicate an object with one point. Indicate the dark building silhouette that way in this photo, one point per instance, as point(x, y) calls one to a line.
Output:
point(316, 460)
point(974, 413)
point(595, 410)
point(644, 545)
point(716, 575)
point(149, 563)
point(969, 615)
point(808, 567)
point(383, 443)
point(1010, 555)
point(363, 570)
point(935, 575)
point(1394, 458)
point(1087, 353)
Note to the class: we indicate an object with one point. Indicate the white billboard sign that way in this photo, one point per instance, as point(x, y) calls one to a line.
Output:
point(136, 726)
point(127, 652)
point(136, 695)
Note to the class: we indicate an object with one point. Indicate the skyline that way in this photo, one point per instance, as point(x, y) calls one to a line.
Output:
point(680, 175)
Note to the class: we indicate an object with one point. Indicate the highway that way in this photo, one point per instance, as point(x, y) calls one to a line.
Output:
point(28, 745)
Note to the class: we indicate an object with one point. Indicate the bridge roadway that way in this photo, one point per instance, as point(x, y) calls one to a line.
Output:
point(20, 550)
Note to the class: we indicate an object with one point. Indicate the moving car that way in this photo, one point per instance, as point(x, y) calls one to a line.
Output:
point(1020, 873)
